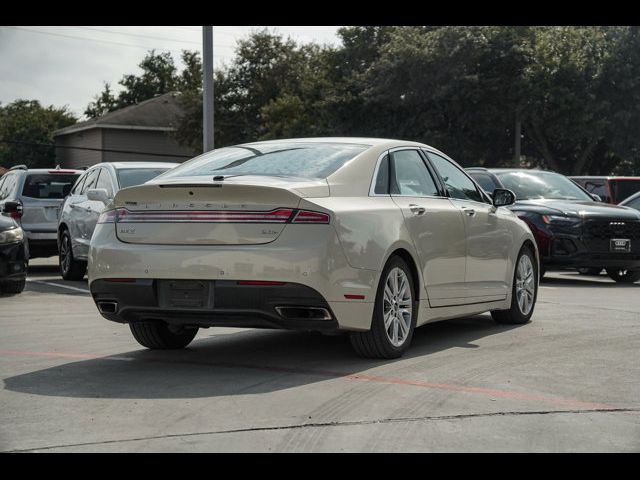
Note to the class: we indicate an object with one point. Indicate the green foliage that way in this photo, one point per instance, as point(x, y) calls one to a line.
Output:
point(576, 91)
point(25, 123)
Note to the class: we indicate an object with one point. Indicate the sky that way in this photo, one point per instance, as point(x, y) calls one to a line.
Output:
point(67, 66)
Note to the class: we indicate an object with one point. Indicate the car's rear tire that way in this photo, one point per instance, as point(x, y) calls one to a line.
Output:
point(622, 275)
point(396, 299)
point(524, 291)
point(13, 286)
point(160, 336)
point(70, 268)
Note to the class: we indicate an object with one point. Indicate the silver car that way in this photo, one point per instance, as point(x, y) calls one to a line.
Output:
point(88, 198)
point(32, 197)
point(367, 236)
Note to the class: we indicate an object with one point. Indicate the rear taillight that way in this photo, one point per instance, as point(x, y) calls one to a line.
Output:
point(108, 216)
point(16, 215)
point(279, 215)
point(306, 216)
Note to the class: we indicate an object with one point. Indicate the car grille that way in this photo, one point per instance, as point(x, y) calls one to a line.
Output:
point(598, 233)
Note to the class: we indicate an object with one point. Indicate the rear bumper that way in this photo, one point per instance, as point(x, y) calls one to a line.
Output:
point(13, 262)
point(309, 257)
point(212, 303)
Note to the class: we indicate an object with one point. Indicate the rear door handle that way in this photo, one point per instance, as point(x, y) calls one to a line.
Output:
point(417, 209)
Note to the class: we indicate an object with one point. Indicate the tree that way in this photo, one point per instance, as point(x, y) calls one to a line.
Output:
point(24, 124)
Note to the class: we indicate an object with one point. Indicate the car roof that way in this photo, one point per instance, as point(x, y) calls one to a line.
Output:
point(368, 141)
point(121, 165)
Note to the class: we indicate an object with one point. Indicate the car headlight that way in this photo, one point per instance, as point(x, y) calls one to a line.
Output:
point(12, 235)
point(560, 220)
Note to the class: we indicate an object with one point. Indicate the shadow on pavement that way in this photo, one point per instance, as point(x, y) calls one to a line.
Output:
point(247, 362)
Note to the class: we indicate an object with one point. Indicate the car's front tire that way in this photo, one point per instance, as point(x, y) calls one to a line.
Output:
point(621, 275)
point(524, 291)
point(13, 286)
point(70, 268)
point(394, 316)
point(160, 336)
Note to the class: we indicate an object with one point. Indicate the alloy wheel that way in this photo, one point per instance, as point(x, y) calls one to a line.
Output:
point(525, 285)
point(397, 307)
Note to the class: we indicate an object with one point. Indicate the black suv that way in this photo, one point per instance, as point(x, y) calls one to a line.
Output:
point(13, 256)
point(571, 228)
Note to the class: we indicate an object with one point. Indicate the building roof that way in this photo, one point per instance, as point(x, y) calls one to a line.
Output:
point(157, 113)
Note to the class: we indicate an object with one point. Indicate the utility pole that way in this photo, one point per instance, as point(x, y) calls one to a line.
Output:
point(207, 90)
point(518, 139)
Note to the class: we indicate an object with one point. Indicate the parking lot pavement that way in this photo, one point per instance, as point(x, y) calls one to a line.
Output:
point(567, 381)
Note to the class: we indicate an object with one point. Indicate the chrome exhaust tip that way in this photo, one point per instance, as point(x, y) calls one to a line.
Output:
point(108, 307)
point(304, 313)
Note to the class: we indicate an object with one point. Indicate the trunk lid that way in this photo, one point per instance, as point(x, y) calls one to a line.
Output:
point(197, 211)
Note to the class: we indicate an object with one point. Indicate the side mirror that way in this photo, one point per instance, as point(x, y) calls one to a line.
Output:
point(98, 195)
point(597, 198)
point(503, 197)
point(12, 207)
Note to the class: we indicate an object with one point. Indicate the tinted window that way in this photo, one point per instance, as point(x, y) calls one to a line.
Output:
point(457, 183)
point(485, 181)
point(8, 183)
point(104, 181)
point(90, 181)
point(129, 177)
point(624, 188)
point(306, 160)
point(48, 185)
point(411, 175)
point(78, 187)
point(382, 180)
point(534, 184)
point(599, 188)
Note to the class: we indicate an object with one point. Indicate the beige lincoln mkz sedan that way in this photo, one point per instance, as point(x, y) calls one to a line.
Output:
point(367, 236)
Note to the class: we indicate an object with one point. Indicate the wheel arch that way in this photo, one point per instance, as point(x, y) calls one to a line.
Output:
point(408, 257)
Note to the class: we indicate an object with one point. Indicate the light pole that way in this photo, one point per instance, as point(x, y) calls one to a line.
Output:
point(207, 90)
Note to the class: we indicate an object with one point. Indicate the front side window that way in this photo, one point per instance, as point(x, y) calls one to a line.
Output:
point(412, 178)
point(290, 159)
point(458, 184)
point(48, 185)
point(104, 181)
point(485, 181)
point(91, 181)
point(78, 186)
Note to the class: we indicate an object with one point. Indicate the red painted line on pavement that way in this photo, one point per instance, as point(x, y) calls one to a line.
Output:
point(487, 392)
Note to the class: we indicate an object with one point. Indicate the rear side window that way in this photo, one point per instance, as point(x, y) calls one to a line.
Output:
point(624, 188)
point(48, 186)
point(91, 180)
point(8, 184)
point(104, 181)
point(412, 178)
point(382, 180)
point(78, 188)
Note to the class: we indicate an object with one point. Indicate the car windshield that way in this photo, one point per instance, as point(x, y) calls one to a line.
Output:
point(48, 185)
point(291, 159)
point(130, 177)
point(539, 185)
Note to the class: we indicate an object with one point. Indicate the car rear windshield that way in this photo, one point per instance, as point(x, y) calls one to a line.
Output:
point(623, 188)
point(48, 185)
point(130, 177)
point(538, 185)
point(304, 160)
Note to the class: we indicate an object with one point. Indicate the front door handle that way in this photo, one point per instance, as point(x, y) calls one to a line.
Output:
point(469, 211)
point(417, 209)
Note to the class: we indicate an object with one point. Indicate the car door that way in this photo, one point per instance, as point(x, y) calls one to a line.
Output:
point(489, 240)
point(82, 214)
point(435, 225)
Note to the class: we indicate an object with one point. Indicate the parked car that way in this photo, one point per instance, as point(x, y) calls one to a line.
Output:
point(92, 192)
point(13, 256)
point(633, 201)
point(571, 228)
point(368, 236)
point(610, 189)
point(32, 197)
